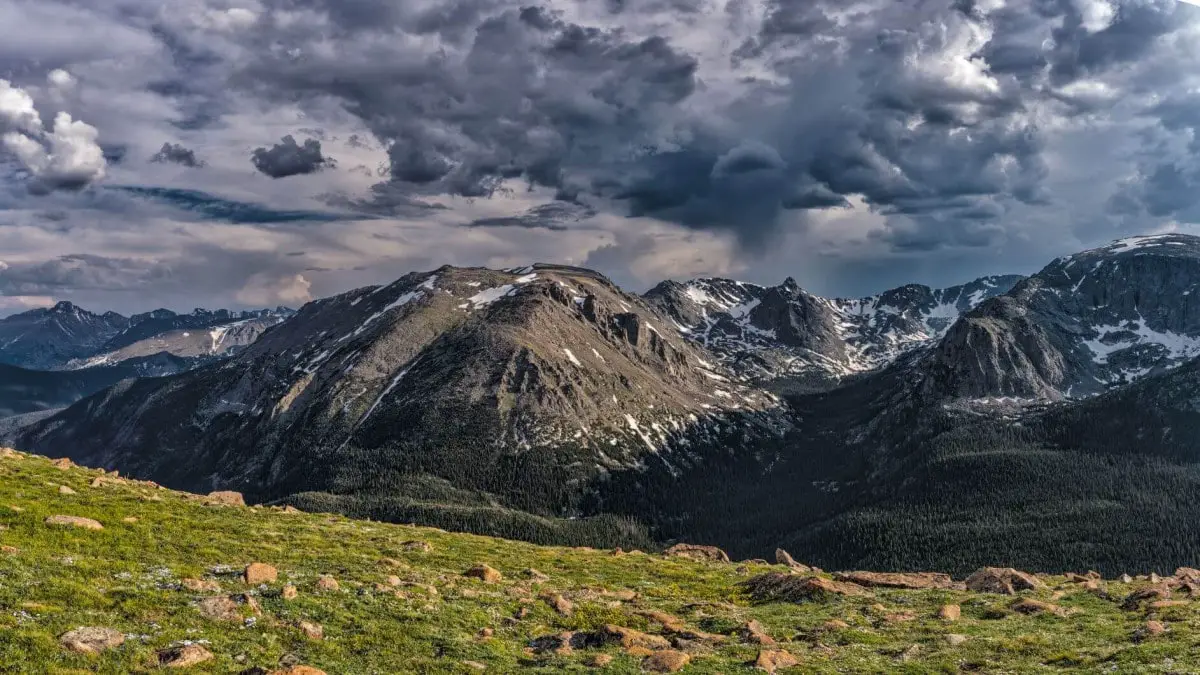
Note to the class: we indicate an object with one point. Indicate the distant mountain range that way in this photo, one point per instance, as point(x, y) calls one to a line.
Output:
point(54, 356)
point(1040, 421)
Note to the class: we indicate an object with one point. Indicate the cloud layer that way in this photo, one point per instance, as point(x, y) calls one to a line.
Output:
point(853, 145)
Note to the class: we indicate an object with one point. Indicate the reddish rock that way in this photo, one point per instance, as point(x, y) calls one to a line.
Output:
point(185, 656)
point(666, 661)
point(1004, 580)
point(91, 639)
point(776, 587)
point(259, 573)
point(74, 521)
point(772, 660)
point(755, 633)
point(484, 573)
point(200, 585)
point(909, 580)
point(695, 552)
point(949, 613)
point(226, 498)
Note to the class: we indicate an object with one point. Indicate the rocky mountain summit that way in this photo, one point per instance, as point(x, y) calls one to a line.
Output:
point(1083, 324)
point(469, 375)
point(784, 333)
point(49, 337)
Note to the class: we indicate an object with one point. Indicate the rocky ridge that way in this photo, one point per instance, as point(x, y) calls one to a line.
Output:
point(774, 333)
point(465, 374)
point(1084, 324)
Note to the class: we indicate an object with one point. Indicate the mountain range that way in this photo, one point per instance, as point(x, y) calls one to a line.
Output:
point(54, 356)
point(1045, 421)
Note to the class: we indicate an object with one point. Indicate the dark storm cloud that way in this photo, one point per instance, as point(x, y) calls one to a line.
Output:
point(211, 207)
point(177, 154)
point(555, 216)
point(288, 158)
point(79, 271)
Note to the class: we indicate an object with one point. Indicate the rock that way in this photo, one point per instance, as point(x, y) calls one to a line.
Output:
point(91, 639)
point(1189, 574)
point(899, 617)
point(1155, 579)
point(485, 573)
point(475, 665)
point(559, 603)
point(312, 631)
point(949, 613)
point(955, 639)
point(776, 587)
point(1148, 594)
point(417, 546)
point(754, 632)
point(832, 625)
point(485, 633)
point(560, 644)
point(289, 592)
point(184, 656)
point(782, 557)
point(1126, 579)
point(220, 608)
point(535, 575)
point(628, 638)
point(1031, 606)
point(1004, 580)
point(695, 552)
point(913, 580)
point(297, 670)
point(327, 583)
point(63, 463)
point(200, 585)
point(671, 623)
point(129, 519)
point(598, 660)
point(9, 550)
point(391, 562)
point(259, 573)
point(225, 498)
point(1166, 604)
point(74, 521)
point(1150, 629)
point(65, 490)
point(771, 660)
point(666, 661)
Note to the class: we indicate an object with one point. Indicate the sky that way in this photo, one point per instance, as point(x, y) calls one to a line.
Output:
point(246, 153)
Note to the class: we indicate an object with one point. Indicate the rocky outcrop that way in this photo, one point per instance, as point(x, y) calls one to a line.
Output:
point(697, 552)
point(1004, 580)
point(911, 580)
point(775, 587)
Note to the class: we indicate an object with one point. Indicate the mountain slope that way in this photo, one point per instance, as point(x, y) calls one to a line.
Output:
point(784, 332)
point(1082, 324)
point(167, 570)
point(533, 385)
point(24, 391)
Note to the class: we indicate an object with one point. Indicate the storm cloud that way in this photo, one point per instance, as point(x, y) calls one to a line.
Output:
point(849, 145)
point(287, 158)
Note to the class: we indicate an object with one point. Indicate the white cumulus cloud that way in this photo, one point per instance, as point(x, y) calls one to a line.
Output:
point(67, 157)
